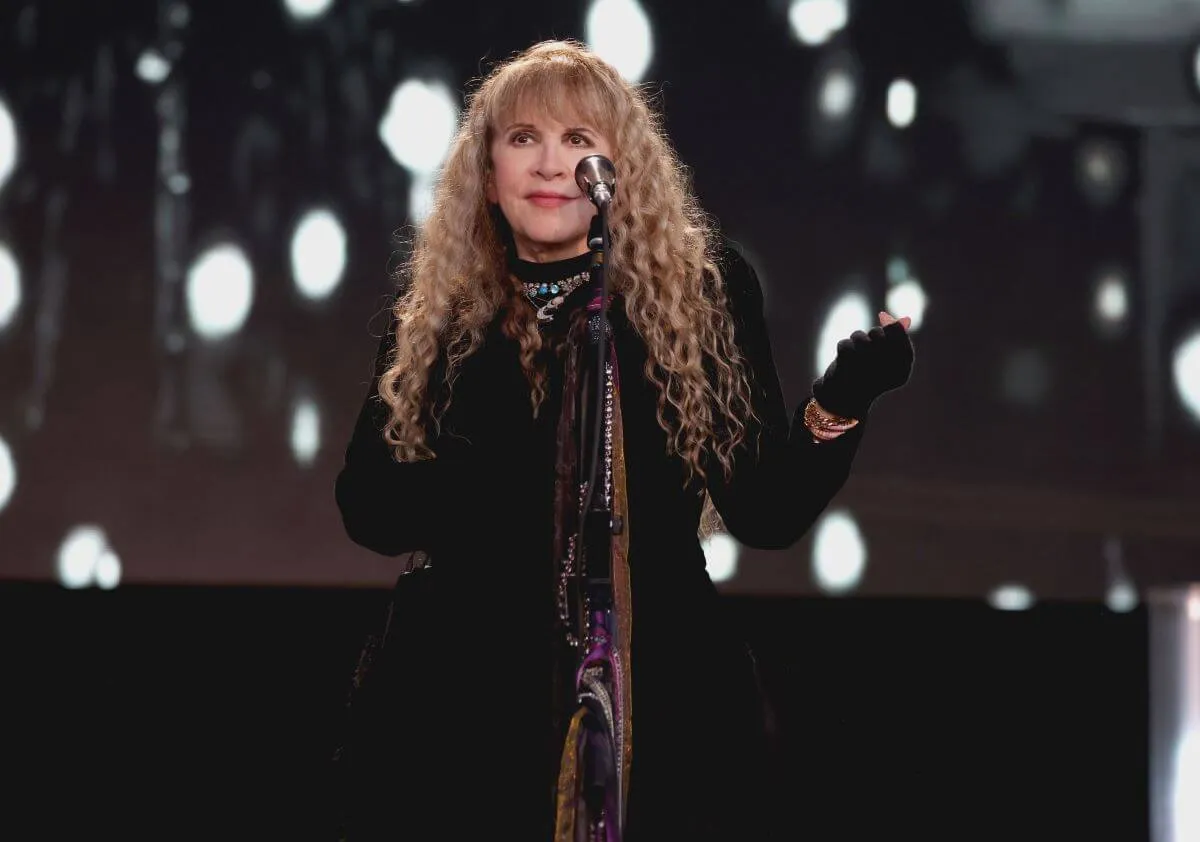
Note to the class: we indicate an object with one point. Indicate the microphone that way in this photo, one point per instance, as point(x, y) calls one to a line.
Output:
point(597, 178)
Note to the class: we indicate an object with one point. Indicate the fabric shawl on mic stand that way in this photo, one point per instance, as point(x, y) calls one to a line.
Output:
point(593, 776)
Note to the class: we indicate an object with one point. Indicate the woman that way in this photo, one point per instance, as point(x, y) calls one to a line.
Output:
point(460, 447)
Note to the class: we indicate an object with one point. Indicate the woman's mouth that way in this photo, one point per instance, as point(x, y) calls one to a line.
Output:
point(549, 200)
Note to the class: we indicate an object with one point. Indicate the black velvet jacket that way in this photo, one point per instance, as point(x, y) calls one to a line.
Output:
point(483, 510)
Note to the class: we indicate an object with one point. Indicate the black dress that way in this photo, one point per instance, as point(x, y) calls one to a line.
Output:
point(456, 742)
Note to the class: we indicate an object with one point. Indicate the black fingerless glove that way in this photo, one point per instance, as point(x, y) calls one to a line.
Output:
point(868, 364)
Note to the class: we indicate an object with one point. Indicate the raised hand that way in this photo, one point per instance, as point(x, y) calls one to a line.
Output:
point(868, 364)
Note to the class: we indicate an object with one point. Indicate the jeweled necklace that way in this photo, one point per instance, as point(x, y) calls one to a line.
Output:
point(548, 296)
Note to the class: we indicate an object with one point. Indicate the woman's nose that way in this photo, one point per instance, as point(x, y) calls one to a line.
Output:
point(551, 163)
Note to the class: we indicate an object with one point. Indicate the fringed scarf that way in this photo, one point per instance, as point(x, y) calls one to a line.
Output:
point(593, 691)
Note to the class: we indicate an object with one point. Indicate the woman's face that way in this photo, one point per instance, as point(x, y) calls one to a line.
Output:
point(533, 182)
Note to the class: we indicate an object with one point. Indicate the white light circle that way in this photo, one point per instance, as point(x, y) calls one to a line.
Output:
point(8, 144)
point(1011, 598)
point(619, 32)
point(8, 474)
point(901, 103)
point(179, 15)
point(108, 570)
point(318, 254)
point(10, 287)
point(1122, 596)
point(153, 67)
point(306, 432)
point(849, 313)
point(220, 291)
point(814, 22)
point(79, 554)
point(838, 93)
point(839, 553)
point(1111, 301)
point(908, 298)
point(419, 125)
point(1185, 368)
point(720, 556)
point(307, 9)
point(1100, 169)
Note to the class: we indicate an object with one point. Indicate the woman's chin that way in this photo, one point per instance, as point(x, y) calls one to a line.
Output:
point(554, 240)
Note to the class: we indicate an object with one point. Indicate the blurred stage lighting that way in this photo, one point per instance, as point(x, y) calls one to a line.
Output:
point(8, 144)
point(420, 198)
point(901, 103)
point(905, 295)
point(153, 67)
point(814, 22)
point(220, 291)
point(305, 10)
point(1121, 597)
point(1195, 66)
point(306, 432)
point(1110, 301)
point(1185, 367)
point(720, 556)
point(10, 287)
point(833, 100)
point(1011, 598)
point(419, 125)
point(1100, 170)
point(838, 93)
point(108, 570)
point(179, 183)
point(619, 32)
point(8, 474)
point(85, 559)
point(839, 553)
point(318, 254)
point(1185, 804)
point(1025, 379)
point(849, 313)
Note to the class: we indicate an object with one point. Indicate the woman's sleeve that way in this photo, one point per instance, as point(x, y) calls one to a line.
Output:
point(777, 491)
point(388, 506)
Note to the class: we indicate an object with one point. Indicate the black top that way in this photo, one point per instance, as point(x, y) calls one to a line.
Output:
point(483, 509)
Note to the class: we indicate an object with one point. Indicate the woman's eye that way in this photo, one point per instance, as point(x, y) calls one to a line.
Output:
point(578, 137)
point(521, 136)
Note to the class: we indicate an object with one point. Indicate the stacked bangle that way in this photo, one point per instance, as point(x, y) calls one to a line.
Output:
point(823, 424)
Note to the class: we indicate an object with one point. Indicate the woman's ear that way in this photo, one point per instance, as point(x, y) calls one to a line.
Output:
point(489, 187)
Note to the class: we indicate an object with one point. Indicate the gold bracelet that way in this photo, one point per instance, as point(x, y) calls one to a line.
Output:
point(823, 424)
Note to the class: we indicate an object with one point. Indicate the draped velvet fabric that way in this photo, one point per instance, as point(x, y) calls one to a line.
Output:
point(462, 733)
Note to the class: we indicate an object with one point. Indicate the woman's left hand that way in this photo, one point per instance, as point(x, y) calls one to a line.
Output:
point(868, 364)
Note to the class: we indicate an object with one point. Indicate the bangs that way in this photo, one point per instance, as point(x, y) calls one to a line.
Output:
point(560, 88)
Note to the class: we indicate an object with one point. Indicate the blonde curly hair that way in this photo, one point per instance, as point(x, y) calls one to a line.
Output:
point(661, 260)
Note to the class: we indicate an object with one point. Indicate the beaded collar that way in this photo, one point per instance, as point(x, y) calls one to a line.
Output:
point(548, 285)
point(547, 297)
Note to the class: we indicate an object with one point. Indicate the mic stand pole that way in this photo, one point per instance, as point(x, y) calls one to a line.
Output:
point(602, 784)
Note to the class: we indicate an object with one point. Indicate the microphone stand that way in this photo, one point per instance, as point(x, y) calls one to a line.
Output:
point(596, 526)
point(598, 331)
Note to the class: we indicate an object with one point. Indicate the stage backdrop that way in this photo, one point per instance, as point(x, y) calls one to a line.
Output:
point(201, 205)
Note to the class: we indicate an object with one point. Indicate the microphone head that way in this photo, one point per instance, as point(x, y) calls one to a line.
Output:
point(597, 178)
